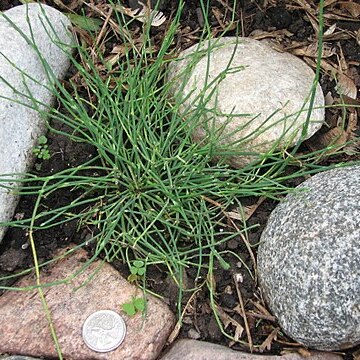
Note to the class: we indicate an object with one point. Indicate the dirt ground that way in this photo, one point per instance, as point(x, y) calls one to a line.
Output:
point(291, 27)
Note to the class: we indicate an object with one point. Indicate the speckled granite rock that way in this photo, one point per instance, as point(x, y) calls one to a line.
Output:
point(22, 69)
point(255, 103)
point(309, 261)
point(24, 328)
point(187, 349)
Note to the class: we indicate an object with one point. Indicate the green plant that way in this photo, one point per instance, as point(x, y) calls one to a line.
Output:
point(137, 304)
point(155, 194)
point(137, 270)
point(41, 151)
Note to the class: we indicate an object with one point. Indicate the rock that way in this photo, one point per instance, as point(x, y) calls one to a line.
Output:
point(11, 258)
point(15, 357)
point(200, 350)
point(309, 261)
point(24, 328)
point(253, 106)
point(21, 126)
point(193, 334)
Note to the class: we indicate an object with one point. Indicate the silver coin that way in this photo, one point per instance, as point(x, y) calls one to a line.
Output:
point(104, 331)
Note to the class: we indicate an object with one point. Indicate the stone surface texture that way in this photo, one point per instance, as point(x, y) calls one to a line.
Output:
point(309, 261)
point(22, 72)
point(253, 104)
point(200, 350)
point(24, 328)
point(16, 357)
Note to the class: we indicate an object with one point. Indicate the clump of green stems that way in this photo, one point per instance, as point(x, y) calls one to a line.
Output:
point(154, 194)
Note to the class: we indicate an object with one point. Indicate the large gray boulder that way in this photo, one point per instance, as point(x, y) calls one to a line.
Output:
point(309, 261)
point(22, 74)
point(256, 97)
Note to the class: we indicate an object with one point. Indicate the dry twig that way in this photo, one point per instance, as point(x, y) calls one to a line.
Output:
point(246, 323)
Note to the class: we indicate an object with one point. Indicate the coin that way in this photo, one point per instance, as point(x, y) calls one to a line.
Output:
point(104, 331)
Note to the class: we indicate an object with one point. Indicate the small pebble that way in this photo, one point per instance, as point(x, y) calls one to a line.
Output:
point(232, 244)
point(193, 334)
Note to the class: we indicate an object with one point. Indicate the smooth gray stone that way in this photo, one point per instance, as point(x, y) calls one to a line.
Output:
point(256, 105)
point(186, 349)
point(22, 73)
point(309, 261)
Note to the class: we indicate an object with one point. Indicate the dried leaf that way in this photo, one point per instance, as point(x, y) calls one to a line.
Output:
point(61, 5)
point(352, 8)
point(351, 101)
point(340, 35)
point(339, 16)
point(329, 2)
point(352, 123)
point(329, 100)
point(144, 14)
point(238, 332)
point(75, 3)
point(249, 210)
point(174, 334)
point(346, 86)
point(238, 310)
point(224, 317)
point(304, 4)
point(328, 66)
point(228, 320)
point(234, 215)
point(354, 141)
point(120, 49)
point(312, 50)
point(226, 5)
point(260, 34)
point(356, 355)
point(330, 30)
point(246, 212)
point(343, 66)
point(218, 16)
point(262, 309)
point(256, 315)
point(336, 137)
point(304, 352)
point(268, 341)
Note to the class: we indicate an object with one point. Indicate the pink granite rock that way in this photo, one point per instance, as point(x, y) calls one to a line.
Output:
point(24, 328)
point(200, 350)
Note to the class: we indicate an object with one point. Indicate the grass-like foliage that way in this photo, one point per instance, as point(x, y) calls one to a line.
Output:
point(153, 194)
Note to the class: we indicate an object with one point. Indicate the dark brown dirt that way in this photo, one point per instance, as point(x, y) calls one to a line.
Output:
point(199, 321)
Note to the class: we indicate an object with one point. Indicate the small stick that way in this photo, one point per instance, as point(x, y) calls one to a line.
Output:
point(261, 316)
point(178, 325)
point(103, 29)
point(248, 246)
point(247, 328)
